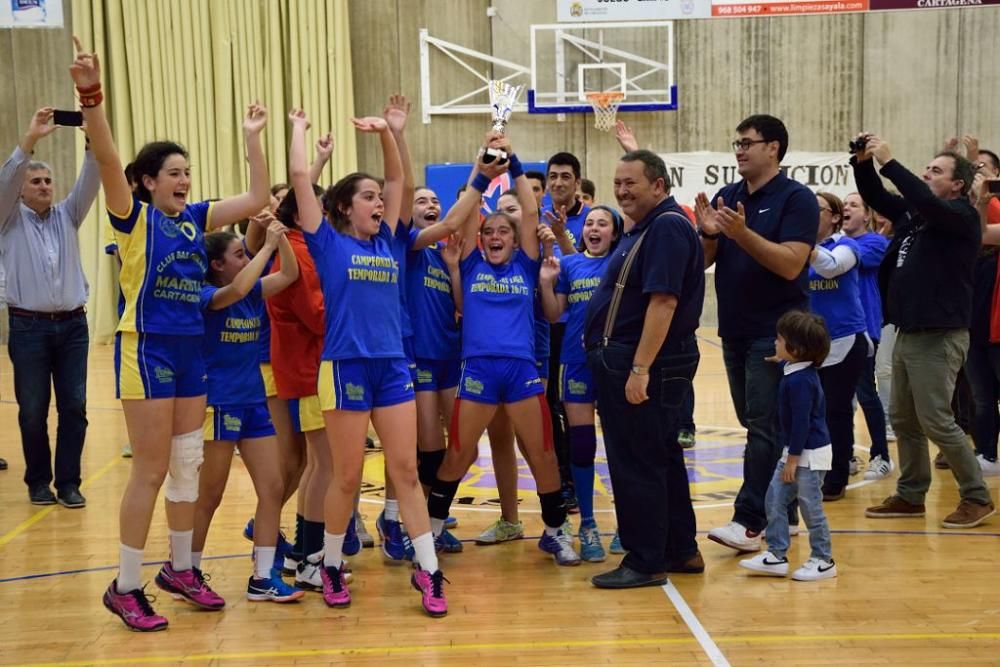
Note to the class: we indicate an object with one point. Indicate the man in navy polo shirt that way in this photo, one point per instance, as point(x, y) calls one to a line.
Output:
point(642, 372)
point(758, 234)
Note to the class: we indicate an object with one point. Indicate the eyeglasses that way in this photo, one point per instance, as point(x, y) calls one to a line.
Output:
point(745, 144)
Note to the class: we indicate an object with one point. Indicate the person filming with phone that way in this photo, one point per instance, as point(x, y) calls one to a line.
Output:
point(926, 281)
point(46, 298)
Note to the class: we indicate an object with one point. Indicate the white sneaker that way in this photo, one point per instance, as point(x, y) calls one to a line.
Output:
point(793, 531)
point(815, 569)
point(767, 563)
point(989, 468)
point(855, 465)
point(879, 468)
point(890, 435)
point(308, 576)
point(736, 536)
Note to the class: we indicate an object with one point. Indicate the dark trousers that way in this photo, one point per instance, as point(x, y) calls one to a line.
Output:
point(560, 426)
point(656, 521)
point(871, 407)
point(840, 381)
point(687, 412)
point(753, 385)
point(48, 354)
point(982, 368)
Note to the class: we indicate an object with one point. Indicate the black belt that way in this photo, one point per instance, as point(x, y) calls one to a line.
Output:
point(57, 316)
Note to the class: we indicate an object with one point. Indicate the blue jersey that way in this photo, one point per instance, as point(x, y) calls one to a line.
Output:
point(499, 307)
point(574, 230)
point(360, 281)
point(265, 324)
point(838, 299)
point(402, 243)
point(230, 348)
point(579, 277)
point(543, 334)
point(432, 307)
point(163, 268)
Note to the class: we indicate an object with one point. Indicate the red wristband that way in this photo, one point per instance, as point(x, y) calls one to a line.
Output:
point(91, 100)
point(89, 90)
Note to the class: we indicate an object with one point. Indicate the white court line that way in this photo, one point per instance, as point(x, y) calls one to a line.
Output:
point(695, 626)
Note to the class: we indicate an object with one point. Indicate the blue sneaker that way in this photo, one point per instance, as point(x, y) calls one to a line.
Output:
point(392, 538)
point(352, 543)
point(591, 549)
point(616, 545)
point(272, 590)
point(561, 547)
point(248, 530)
point(447, 543)
point(451, 523)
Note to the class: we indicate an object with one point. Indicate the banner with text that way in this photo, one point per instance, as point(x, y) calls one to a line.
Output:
point(691, 173)
point(581, 11)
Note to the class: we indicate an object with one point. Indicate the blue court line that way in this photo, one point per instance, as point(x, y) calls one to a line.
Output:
point(846, 531)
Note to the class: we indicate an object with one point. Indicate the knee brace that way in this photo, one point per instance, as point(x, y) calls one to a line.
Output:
point(186, 456)
point(427, 466)
point(440, 498)
point(582, 445)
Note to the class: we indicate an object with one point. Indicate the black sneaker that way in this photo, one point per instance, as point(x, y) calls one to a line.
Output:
point(72, 498)
point(569, 499)
point(3, 464)
point(42, 495)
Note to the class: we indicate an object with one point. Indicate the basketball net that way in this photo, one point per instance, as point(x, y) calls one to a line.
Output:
point(605, 106)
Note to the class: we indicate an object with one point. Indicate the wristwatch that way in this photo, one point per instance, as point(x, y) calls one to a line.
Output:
point(705, 235)
point(640, 370)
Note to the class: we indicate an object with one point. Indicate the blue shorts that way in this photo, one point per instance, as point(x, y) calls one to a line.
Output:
point(576, 384)
point(158, 366)
point(496, 380)
point(238, 422)
point(435, 375)
point(542, 367)
point(363, 384)
point(305, 414)
point(411, 358)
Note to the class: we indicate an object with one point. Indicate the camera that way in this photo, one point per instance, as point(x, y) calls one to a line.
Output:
point(858, 145)
point(993, 186)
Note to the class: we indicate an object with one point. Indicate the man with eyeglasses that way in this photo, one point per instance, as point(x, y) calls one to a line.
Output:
point(758, 232)
point(46, 297)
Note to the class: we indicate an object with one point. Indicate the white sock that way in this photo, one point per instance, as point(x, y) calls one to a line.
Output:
point(391, 510)
point(437, 527)
point(552, 532)
point(129, 569)
point(332, 546)
point(263, 559)
point(424, 553)
point(180, 549)
point(196, 559)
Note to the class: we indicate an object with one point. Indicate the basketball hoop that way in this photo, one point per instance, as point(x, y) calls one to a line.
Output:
point(605, 106)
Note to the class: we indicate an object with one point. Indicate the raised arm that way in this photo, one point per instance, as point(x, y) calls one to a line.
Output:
point(257, 231)
point(452, 255)
point(249, 274)
point(557, 222)
point(13, 170)
point(84, 192)
point(983, 197)
point(626, 137)
point(395, 114)
point(482, 175)
point(870, 186)
point(324, 149)
point(310, 214)
point(86, 74)
point(553, 304)
point(240, 207)
point(289, 272)
point(392, 191)
point(529, 205)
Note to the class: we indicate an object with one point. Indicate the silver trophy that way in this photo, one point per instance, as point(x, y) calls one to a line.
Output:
point(503, 96)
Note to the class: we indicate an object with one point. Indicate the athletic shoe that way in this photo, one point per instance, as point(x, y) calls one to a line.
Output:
point(736, 536)
point(370, 444)
point(569, 498)
point(879, 468)
point(591, 549)
point(686, 439)
point(352, 543)
point(289, 566)
point(499, 531)
point(895, 507)
point(616, 545)
point(560, 546)
point(793, 530)
point(127, 451)
point(134, 609)
point(447, 543)
point(367, 541)
point(767, 564)
point(189, 585)
point(335, 593)
point(890, 435)
point(855, 465)
point(272, 589)
point(451, 523)
point(968, 515)
point(989, 468)
point(307, 576)
point(815, 569)
point(283, 543)
point(431, 587)
point(392, 538)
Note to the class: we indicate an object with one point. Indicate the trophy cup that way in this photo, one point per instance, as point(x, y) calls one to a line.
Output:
point(503, 96)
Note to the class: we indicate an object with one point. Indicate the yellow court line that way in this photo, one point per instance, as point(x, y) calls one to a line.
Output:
point(38, 516)
point(507, 647)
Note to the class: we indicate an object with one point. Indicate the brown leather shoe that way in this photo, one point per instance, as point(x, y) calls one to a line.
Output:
point(693, 565)
point(940, 462)
point(968, 515)
point(895, 507)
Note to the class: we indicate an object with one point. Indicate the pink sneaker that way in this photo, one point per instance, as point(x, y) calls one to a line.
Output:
point(431, 587)
point(189, 585)
point(134, 609)
point(335, 592)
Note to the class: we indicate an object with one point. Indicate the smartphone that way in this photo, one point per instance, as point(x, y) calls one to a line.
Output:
point(993, 187)
point(68, 118)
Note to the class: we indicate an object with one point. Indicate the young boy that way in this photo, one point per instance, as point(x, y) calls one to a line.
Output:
point(802, 344)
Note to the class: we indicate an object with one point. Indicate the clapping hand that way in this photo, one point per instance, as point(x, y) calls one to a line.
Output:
point(549, 270)
point(707, 217)
point(557, 221)
point(451, 253)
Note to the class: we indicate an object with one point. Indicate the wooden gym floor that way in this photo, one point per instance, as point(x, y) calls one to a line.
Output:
point(908, 592)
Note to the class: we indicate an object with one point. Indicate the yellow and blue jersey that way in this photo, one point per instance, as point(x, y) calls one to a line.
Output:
point(499, 307)
point(163, 267)
point(230, 348)
point(580, 275)
point(431, 304)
